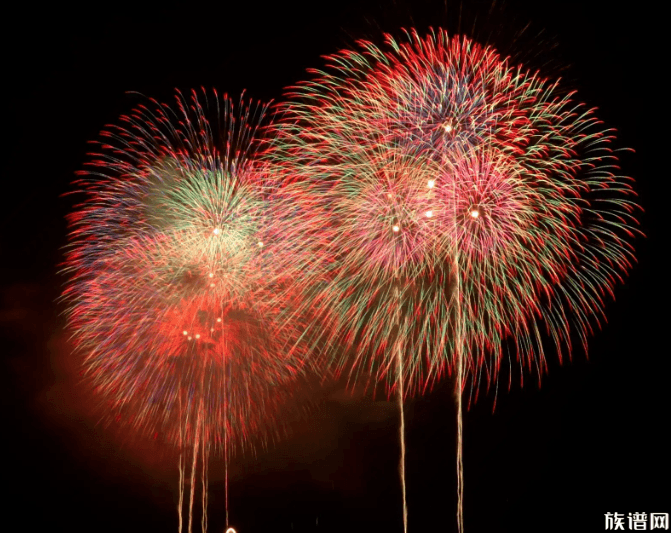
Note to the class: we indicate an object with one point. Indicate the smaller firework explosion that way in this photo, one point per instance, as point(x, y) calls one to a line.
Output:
point(173, 281)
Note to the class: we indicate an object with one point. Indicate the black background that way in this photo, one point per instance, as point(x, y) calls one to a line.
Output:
point(593, 439)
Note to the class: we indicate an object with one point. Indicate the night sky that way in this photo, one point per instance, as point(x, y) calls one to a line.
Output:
point(593, 439)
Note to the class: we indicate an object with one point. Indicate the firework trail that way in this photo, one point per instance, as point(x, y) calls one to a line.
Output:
point(173, 265)
point(473, 200)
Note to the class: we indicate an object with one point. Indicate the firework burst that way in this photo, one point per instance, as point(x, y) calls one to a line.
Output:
point(458, 208)
point(172, 267)
point(401, 161)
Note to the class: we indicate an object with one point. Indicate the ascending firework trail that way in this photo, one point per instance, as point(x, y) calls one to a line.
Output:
point(456, 209)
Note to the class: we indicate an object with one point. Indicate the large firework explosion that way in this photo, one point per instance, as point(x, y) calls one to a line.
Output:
point(172, 265)
point(456, 208)
point(400, 161)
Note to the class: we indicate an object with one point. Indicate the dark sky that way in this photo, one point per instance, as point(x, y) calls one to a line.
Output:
point(592, 439)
